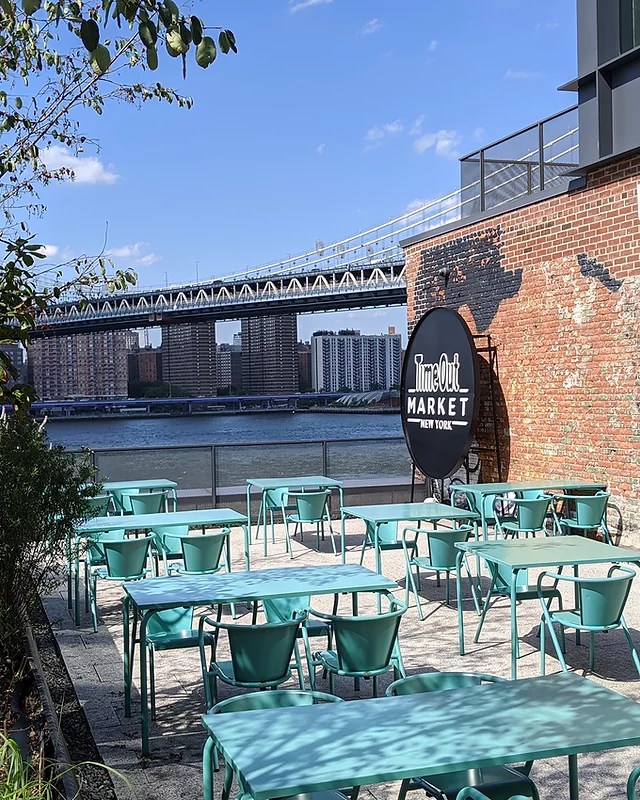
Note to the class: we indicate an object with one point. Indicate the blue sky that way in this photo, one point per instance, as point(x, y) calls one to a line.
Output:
point(335, 116)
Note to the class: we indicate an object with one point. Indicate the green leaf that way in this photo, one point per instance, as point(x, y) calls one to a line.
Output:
point(90, 34)
point(185, 33)
point(31, 6)
point(145, 34)
point(100, 61)
point(6, 6)
point(196, 30)
point(206, 52)
point(223, 41)
point(18, 103)
point(175, 42)
point(232, 40)
point(173, 9)
point(152, 58)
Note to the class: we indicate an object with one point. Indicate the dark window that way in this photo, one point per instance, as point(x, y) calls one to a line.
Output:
point(629, 24)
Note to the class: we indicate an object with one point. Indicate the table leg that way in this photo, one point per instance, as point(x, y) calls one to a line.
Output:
point(514, 625)
point(76, 579)
point(126, 656)
point(174, 497)
point(247, 540)
point(144, 705)
point(263, 501)
point(376, 547)
point(249, 508)
point(341, 499)
point(342, 537)
point(574, 789)
point(459, 558)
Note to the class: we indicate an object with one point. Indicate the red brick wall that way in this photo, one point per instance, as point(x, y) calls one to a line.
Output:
point(556, 285)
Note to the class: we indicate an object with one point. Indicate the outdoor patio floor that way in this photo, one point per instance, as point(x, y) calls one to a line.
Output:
point(94, 662)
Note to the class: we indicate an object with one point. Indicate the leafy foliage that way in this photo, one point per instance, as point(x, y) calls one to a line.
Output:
point(57, 59)
point(44, 490)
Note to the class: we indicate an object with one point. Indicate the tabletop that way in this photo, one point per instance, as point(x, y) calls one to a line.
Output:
point(523, 486)
point(549, 551)
point(200, 590)
point(298, 482)
point(158, 483)
point(408, 512)
point(287, 751)
point(202, 516)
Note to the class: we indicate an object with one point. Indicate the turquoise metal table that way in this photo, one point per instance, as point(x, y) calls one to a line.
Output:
point(302, 483)
point(150, 485)
point(401, 512)
point(286, 751)
point(201, 517)
point(154, 594)
point(477, 492)
point(546, 551)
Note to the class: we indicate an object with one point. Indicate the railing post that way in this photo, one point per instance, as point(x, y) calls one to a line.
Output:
point(482, 199)
point(214, 473)
point(541, 153)
point(325, 459)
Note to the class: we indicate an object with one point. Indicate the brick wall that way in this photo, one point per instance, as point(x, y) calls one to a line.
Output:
point(556, 285)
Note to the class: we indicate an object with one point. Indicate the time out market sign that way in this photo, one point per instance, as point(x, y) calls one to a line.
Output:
point(439, 392)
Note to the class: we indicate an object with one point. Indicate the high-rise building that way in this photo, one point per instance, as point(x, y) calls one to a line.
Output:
point(349, 361)
point(91, 365)
point(229, 367)
point(17, 357)
point(189, 357)
point(145, 365)
point(304, 366)
point(269, 358)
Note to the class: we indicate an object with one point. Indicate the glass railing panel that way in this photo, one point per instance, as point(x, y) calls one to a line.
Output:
point(367, 460)
point(235, 463)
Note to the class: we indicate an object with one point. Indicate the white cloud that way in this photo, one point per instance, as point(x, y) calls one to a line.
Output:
point(547, 26)
point(300, 5)
point(520, 74)
point(373, 26)
point(320, 149)
point(50, 250)
point(375, 135)
point(416, 127)
point(85, 169)
point(478, 133)
point(443, 142)
point(433, 45)
point(134, 253)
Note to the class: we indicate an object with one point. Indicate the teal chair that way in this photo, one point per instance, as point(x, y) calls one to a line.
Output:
point(260, 655)
point(496, 783)
point(471, 793)
point(599, 607)
point(124, 560)
point(531, 516)
point(275, 501)
point(441, 555)
point(148, 502)
point(171, 629)
point(122, 499)
point(202, 554)
point(100, 505)
point(167, 544)
point(631, 783)
point(365, 646)
point(312, 508)
point(584, 514)
point(388, 538)
point(257, 701)
point(94, 555)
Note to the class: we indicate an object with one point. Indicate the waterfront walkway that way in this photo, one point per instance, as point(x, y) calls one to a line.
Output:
point(94, 662)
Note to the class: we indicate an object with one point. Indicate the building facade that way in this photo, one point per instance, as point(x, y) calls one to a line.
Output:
point(189, 358)
point(269, 354)
point(350, 361)
point(87, 365)
point(145, 365)
point(229, 368)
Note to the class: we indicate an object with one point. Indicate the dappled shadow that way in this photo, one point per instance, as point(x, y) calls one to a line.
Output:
point(591, 268)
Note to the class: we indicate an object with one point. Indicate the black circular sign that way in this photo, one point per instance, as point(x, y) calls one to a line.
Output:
point(438, 392)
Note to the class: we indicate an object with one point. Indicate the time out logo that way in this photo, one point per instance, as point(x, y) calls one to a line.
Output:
point(439, 379)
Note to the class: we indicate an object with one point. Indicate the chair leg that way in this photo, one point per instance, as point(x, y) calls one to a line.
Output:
point(542, 646)
point(86, 585)
point(558, 650)
point(152, 681)
point(634, 652)
point(447, 591)
point(414, 587)
point(94, 610)
point(296, 656)
point(374, 685)
point(404, 788)
point(364, 547)
point(592, 651)
point(209, 763)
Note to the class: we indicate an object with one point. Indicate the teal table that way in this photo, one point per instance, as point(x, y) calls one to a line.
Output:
point(150, 485)
point(542, 552)
point(301, 483)
point(154, 594)
point(477, 492)
point(401, 512)
point(286, 751)
point(201, 517)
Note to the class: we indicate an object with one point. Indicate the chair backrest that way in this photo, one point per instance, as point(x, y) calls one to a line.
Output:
point(170, 621)
point(503, 581)
point(148, 503)
point(167, 538)
point(127, 558)
point(602, 600)
point(437, 682)
point(280, 698)
point(311, 506)
point(122, 499)
point(275, 498)
point(387, 532)
point(590, 509)
point(366, 644)
point(95, 543)
point(99, 504)
point(202, 552)
point(442, 545)
point(281, 609)
point(262, 653)
point(531, 512)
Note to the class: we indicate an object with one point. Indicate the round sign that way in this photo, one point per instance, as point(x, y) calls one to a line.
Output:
point(438, 392)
